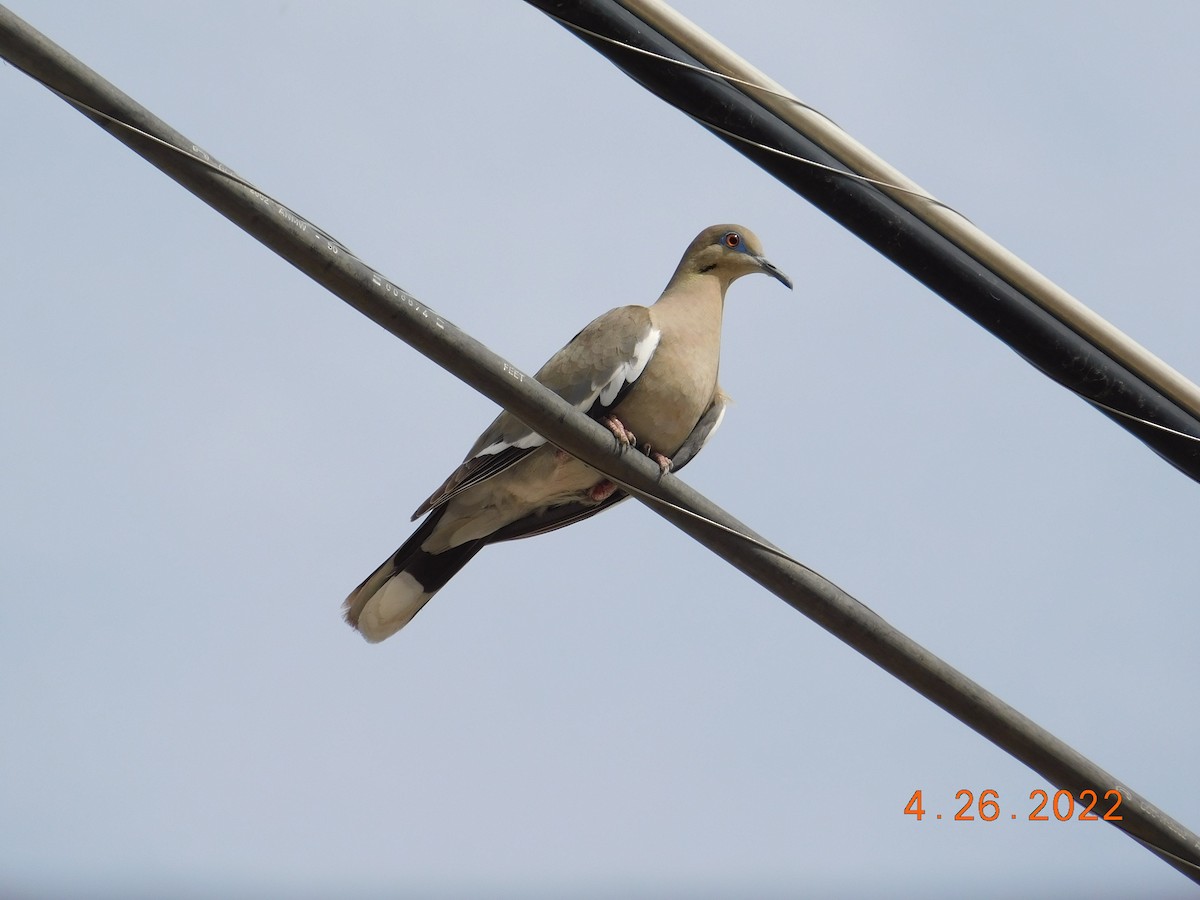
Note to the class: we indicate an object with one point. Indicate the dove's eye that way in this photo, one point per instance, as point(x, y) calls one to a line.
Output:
point(732, 239)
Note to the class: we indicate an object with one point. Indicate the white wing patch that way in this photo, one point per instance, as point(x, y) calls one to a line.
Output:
point(525, 442)
point(630, 370)
point(626, 373)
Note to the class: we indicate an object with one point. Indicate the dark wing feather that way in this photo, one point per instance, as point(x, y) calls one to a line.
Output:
point(470, 473)
point(554, 518)
point(705, 429)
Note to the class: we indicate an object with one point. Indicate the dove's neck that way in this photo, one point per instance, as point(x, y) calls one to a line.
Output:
point(689, 316)
point(694, 294)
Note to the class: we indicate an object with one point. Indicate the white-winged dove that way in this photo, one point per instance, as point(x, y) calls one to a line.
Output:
point(648, 373)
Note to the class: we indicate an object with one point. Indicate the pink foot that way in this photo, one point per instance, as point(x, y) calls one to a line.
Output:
point(664, 461)
point(602, 491)
point(623, 435)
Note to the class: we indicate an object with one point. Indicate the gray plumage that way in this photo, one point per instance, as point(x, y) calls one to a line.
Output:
point(648, 373)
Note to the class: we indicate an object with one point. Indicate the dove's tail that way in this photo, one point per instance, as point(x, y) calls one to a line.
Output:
point(396, 591)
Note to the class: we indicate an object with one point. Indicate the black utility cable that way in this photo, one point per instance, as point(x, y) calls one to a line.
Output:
point(1042, 340)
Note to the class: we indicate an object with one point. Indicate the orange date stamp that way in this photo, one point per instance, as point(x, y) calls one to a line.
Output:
point(1063, 806)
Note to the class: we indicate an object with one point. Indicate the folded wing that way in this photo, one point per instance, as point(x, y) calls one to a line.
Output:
point(593, 372)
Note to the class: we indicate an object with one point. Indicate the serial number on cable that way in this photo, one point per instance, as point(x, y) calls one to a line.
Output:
point(1062, 806)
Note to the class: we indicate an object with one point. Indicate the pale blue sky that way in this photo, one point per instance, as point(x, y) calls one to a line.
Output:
point(203, 452)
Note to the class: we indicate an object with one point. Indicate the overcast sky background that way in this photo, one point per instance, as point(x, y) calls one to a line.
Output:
point(203, 452)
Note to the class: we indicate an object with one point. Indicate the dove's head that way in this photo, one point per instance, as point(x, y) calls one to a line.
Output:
point(728, 252)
